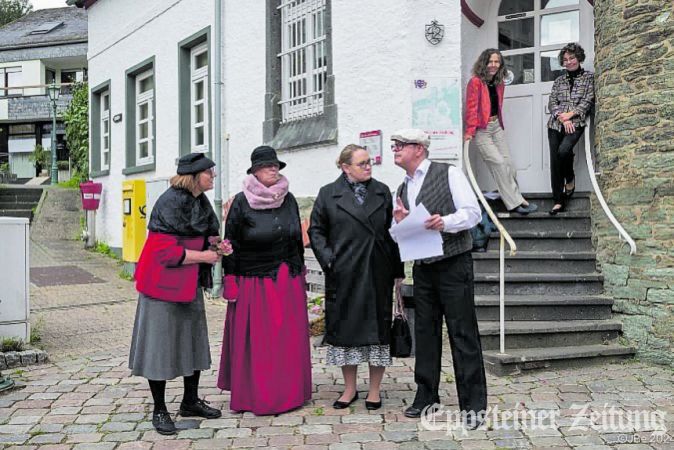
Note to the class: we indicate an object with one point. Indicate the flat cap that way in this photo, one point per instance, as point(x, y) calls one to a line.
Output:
point(193, 163)
point(412, 136)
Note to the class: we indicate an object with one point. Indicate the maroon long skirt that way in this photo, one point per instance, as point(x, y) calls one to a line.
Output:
point(266, 359)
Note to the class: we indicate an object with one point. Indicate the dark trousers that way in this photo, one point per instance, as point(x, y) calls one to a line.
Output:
point(561, 160)
point(445, 289)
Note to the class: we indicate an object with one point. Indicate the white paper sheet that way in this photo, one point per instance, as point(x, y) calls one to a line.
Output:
point(414, 240)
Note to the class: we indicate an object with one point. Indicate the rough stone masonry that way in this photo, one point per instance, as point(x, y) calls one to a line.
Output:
point(635, 154)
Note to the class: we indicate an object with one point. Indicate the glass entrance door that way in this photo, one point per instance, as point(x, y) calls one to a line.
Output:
point(530, 34)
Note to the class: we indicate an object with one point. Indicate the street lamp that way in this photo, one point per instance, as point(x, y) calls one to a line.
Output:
point(53, 91)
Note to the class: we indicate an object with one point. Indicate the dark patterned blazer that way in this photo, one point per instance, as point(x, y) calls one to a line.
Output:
point(565, 98)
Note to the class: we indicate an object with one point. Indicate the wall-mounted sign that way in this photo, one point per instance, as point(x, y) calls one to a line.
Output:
point(117, 118)
point(436, 107)
point(371, 141)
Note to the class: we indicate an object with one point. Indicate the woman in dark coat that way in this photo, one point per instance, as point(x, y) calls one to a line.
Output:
point(571, 100)
point(350, 238)
point(266, 357)
point(170, 335)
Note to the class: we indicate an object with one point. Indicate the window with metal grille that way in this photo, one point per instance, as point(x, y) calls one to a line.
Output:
point(303, 58)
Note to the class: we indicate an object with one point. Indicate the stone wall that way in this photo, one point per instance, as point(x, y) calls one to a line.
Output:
point(635, 155)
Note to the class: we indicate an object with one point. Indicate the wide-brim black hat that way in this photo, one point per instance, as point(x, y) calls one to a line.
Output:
point(194, 163)
point(264, 155)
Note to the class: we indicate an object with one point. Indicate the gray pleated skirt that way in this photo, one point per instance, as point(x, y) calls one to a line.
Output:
point(169, 339)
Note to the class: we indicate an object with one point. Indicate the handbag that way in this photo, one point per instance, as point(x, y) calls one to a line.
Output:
point(401, 338)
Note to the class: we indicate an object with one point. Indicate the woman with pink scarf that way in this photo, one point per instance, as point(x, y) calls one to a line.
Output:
point(266, 361)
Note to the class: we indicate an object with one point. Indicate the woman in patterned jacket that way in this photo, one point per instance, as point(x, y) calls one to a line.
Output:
point(570, 102)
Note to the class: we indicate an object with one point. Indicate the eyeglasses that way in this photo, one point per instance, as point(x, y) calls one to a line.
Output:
point(363, 164)
point(398, 146)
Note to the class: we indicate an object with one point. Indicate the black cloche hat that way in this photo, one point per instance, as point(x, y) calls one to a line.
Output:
point(264, 155)
point(193, 163)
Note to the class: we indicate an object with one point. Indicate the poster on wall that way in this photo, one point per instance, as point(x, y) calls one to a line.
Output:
point(371, 141)
point(436, 109)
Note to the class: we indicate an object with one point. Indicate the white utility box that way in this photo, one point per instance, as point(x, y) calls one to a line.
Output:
point(14, 278)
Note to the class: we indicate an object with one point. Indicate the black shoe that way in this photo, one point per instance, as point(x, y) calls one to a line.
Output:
point(199, 409)
point(554, 210)
point(162, 422)
point(473, 422)
point(414, 413)
point(342, 405)
point(372, 406)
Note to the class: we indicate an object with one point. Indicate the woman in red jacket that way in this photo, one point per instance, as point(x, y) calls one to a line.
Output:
point(484, 122)
point(170, 335)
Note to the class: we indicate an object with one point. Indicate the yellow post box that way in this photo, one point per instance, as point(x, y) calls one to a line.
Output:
point(133, 219)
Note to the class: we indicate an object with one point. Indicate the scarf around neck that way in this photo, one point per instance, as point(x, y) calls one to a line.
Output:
point(260, 196)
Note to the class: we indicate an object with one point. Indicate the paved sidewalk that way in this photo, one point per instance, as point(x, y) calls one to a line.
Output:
point(92, 403)
point(85, 398)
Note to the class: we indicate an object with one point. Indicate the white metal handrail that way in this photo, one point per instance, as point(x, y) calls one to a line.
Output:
point(503, 237)
point(597, 191)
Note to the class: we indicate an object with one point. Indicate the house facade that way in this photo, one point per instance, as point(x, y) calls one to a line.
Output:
point(43, 47)
point(310, 76)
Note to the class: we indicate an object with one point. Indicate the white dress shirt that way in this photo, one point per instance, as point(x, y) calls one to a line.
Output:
point(468, 213)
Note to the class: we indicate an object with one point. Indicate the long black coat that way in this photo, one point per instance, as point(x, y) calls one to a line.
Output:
point(360, 261)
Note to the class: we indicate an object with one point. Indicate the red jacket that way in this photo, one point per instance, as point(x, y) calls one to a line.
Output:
point(160, 273)
point(478, 105)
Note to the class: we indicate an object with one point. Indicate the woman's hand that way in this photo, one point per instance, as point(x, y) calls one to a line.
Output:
point(467, 137)
point(563, 117)
point(569, 127)
point(210, 257)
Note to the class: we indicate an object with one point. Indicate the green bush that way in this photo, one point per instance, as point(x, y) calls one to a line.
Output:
point(73, 183)
point(76, 118)
point(12, 345)
point(4, 167)
point(40, 157)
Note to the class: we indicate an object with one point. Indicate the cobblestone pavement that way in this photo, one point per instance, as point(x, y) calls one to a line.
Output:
point(85, 398)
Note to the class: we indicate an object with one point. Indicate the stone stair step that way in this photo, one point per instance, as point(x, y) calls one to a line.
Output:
point(535, 261)
point(540, 283)
point(518, 361)
point(545, 333)
point(579, 202)
point(546, 241)
point(542, 221)
point(27, 213)
point(17, 205)
point(544, 308)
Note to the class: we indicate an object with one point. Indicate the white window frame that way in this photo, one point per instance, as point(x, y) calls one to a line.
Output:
point(142, 99)
point(4, 81)
point(105, 118)
point(197, 76)
point(303, 58)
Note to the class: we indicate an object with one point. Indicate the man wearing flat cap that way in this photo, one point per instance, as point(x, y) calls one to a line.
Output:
point(443, 285)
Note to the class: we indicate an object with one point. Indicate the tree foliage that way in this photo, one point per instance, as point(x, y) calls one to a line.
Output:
point(10, 10)
point(76, 119)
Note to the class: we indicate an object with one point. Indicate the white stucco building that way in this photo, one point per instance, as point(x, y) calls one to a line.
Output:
point(308, 77)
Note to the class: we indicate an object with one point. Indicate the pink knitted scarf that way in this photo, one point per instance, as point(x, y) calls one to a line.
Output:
point(260, 196)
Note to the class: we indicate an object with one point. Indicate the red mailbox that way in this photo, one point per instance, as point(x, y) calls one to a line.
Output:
point(91, 195)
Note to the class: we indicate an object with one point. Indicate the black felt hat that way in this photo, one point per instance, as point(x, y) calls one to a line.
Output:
point(264, 155)
point(193, 163)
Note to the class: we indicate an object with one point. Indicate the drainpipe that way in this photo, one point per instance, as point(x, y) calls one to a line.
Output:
point(217, 133)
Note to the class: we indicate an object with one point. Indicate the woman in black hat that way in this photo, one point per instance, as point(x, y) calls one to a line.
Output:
point(170, 335)
point(266, 362)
